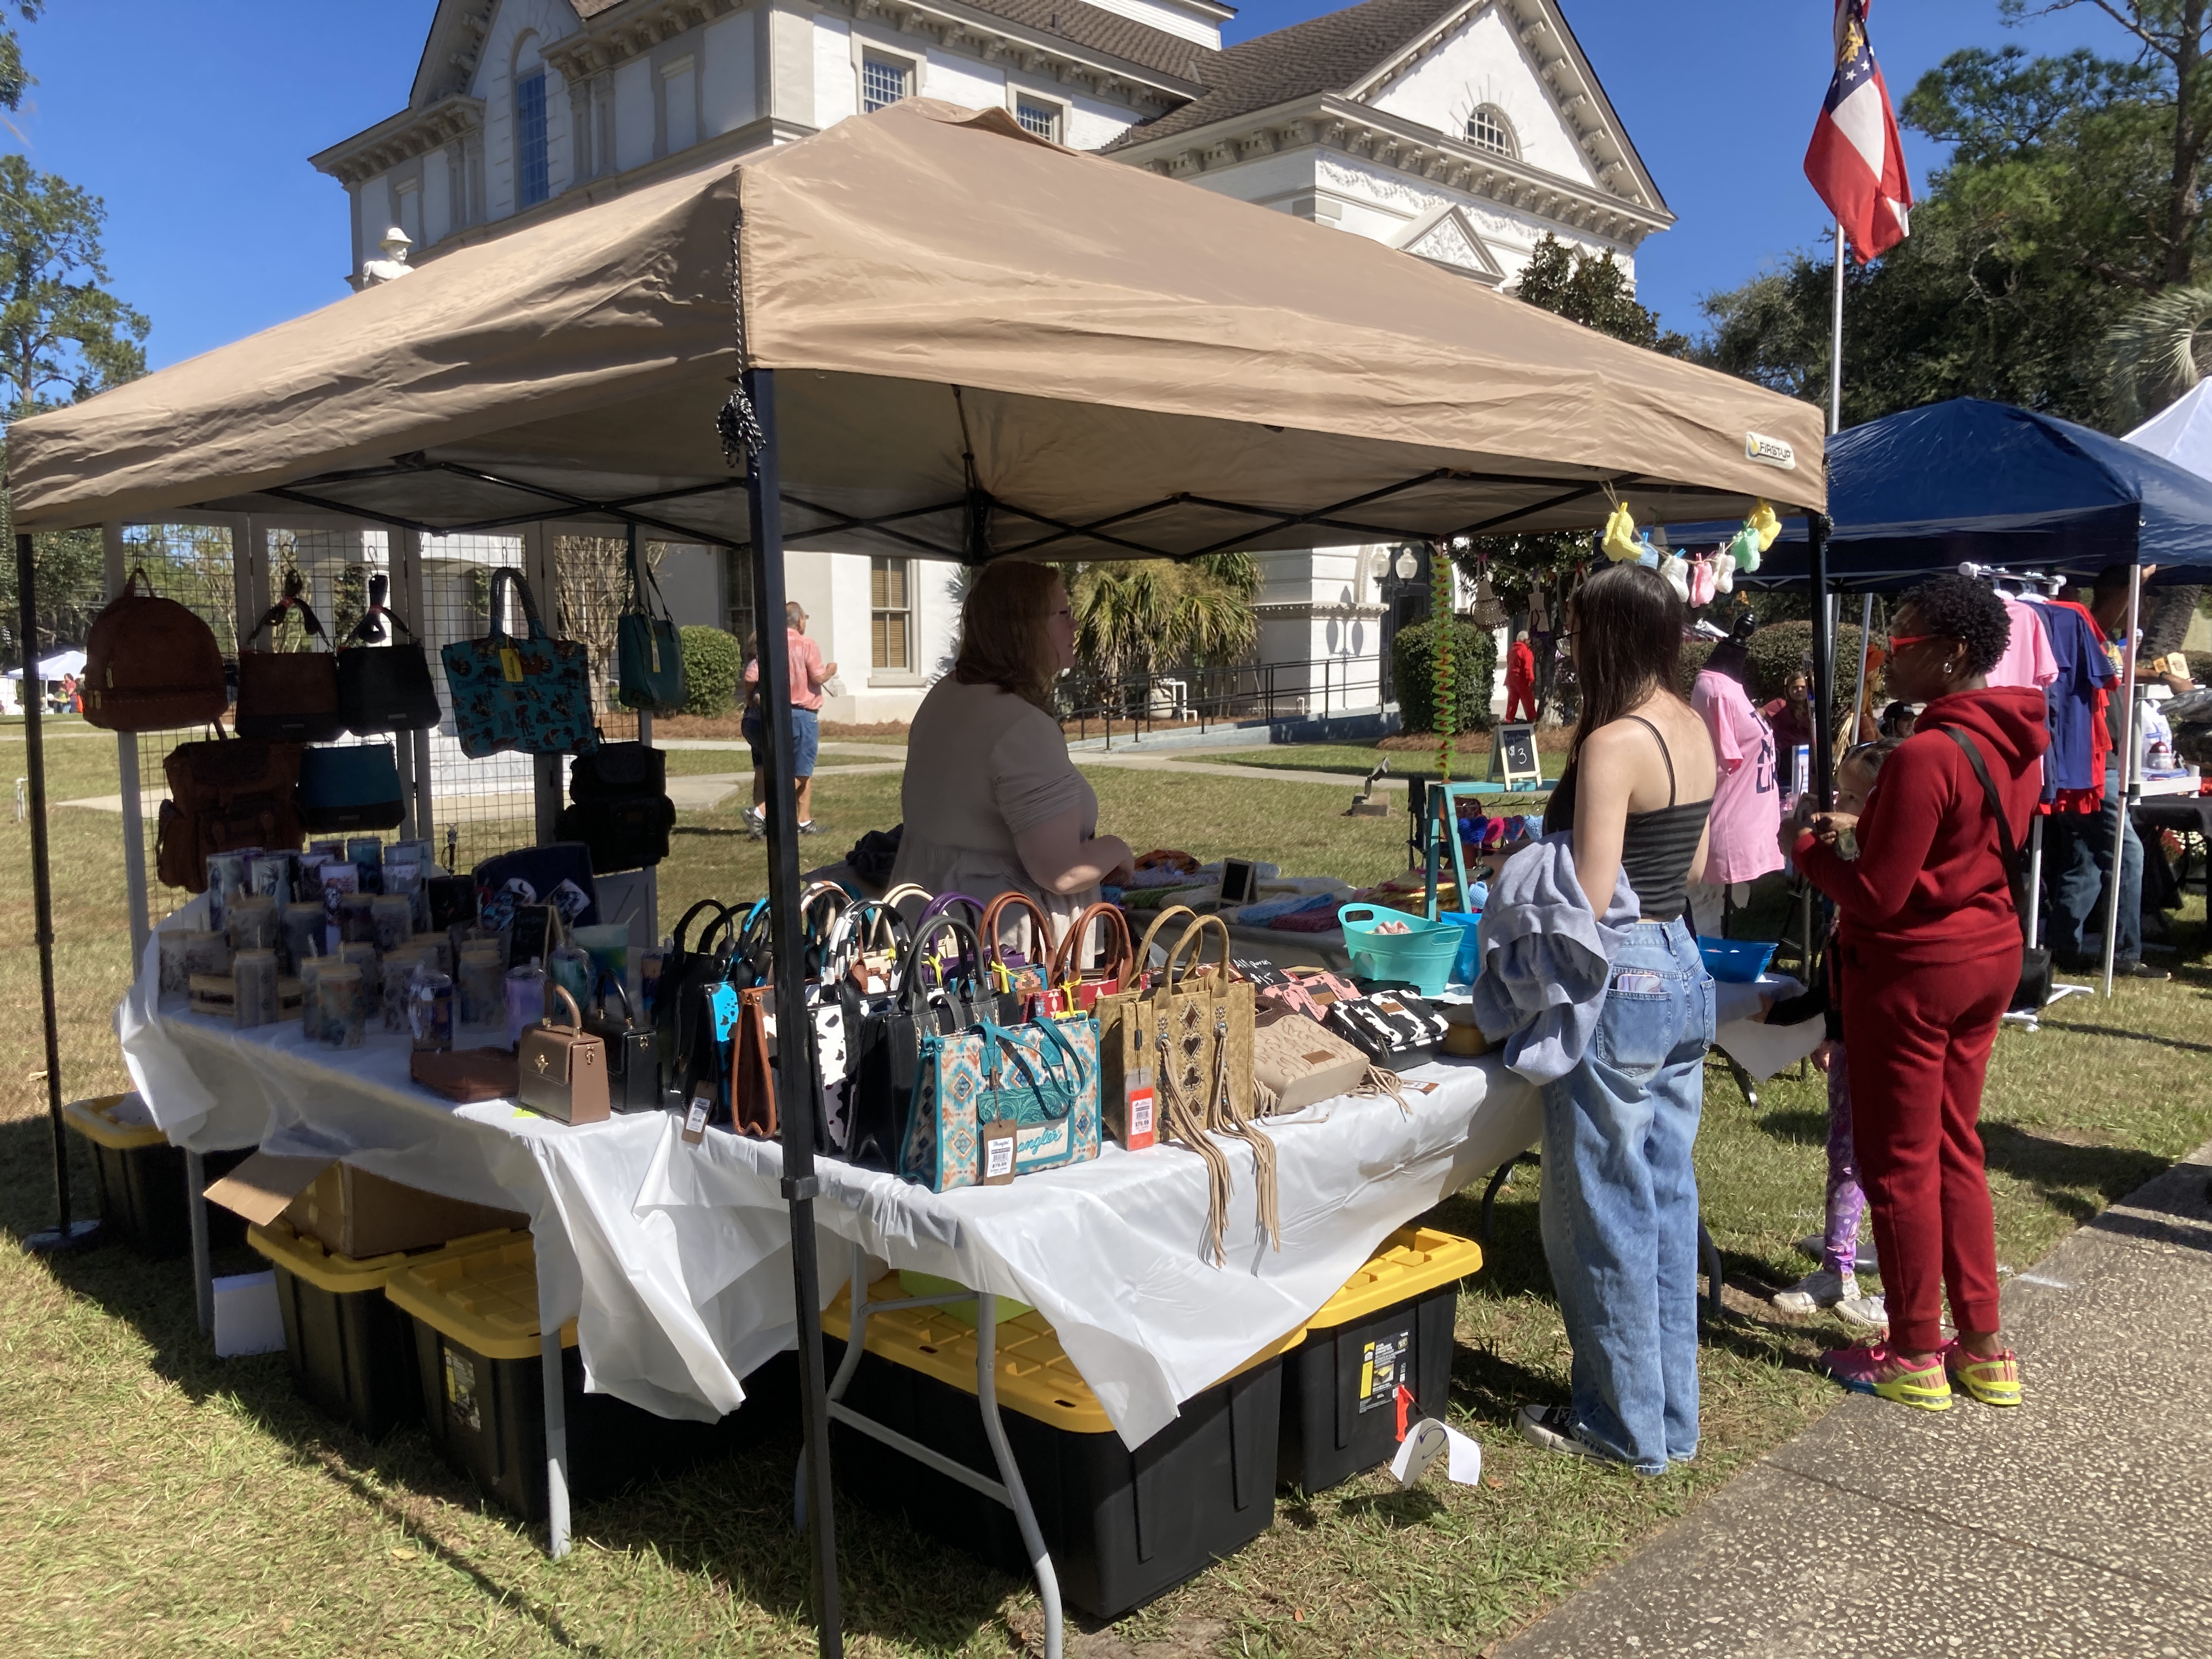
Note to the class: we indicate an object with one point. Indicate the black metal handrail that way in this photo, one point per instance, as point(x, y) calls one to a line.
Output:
point(1181, 698)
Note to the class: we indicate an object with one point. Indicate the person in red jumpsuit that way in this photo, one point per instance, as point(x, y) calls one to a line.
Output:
point(1930, 943)
point(1520, 679)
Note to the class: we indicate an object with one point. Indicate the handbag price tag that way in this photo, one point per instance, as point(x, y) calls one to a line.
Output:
point(510, 665)
point(1137, 1130)
point(694, 1120)
point(996, 1163)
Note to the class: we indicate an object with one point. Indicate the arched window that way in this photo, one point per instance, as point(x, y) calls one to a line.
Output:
point(533, 181)
point(1487, 129)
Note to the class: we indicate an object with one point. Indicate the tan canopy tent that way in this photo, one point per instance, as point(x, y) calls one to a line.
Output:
point(957, 340)
point(1140, 368)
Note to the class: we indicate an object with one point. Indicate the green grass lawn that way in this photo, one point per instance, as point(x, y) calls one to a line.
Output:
point(1356, 758)
point(161, 1502)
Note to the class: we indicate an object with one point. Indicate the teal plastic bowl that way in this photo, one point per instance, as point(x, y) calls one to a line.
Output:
point(1734, 961)
point(1468, 959)
point(1423, 955)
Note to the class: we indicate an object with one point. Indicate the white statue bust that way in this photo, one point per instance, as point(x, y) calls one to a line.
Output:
point(394, 265)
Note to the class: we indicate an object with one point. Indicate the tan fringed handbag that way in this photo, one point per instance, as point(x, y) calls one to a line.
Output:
point(1201, 1021)
point(1123, 1055)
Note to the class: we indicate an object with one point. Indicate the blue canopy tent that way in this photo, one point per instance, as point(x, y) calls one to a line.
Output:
point(1969, 482)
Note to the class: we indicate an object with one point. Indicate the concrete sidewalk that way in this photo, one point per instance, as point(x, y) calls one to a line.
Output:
point(2074, 1525)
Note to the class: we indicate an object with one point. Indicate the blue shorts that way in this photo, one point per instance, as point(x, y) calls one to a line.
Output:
point(805, 739)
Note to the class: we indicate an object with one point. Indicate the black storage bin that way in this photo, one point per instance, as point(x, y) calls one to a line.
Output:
point(1123, 1527)
point(140, 1178)
point(1391, 1325)
point(485, 1411)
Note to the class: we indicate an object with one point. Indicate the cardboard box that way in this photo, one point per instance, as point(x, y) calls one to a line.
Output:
point(349, 1211)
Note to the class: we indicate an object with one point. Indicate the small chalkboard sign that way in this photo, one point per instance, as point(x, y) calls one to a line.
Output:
point(1513, 760)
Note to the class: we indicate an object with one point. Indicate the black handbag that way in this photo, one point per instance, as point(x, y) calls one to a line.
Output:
point(633, 1057)
point(621, 809)
point(884, 1033)
point(1394, 1029)
point(682, 971)
point(385, 688)
point(354, 785)
point(287, 696)
point(2033, 990)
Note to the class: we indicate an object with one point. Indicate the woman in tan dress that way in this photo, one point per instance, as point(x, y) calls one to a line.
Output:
point(993, 803)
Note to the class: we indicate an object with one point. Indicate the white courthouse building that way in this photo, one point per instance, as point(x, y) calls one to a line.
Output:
point(1461, 131)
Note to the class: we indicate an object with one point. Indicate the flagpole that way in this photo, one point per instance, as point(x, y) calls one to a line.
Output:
point(1835, 342)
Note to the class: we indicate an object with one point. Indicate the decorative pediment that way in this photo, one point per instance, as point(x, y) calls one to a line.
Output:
point(1443, 237)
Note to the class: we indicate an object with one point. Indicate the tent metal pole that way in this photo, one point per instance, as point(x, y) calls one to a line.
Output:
point(1824, 669)
point(1835, 342)
point(64, 1235)
point(2130, 789)
point(794, 1076)
point(116, 555)
point(1860, 703)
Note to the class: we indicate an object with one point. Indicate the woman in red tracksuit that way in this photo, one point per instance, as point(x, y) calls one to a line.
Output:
point(1931, 953)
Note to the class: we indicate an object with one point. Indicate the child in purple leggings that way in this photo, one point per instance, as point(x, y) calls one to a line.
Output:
point(1836, 1284)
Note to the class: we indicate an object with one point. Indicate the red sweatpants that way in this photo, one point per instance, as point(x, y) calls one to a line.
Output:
point(1919, 1040)
point(1519, 701)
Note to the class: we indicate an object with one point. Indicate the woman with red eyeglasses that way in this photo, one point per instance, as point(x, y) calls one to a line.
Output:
point(1930, 949)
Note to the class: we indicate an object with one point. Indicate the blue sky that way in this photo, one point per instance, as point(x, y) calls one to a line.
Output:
point(194, 123)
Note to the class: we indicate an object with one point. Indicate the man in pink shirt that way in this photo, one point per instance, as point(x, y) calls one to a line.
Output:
point(809, 674)
point(1747, 813)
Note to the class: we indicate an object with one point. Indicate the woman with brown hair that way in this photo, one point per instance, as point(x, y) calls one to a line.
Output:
point(993, 803)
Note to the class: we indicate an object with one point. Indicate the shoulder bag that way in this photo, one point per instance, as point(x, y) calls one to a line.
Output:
point(534, 693)
point(289, 696)
point(2033, 990)
point(350, 786)
point(648, 651)
point(150, 665)
point(621, 807)
point(224, 794)
point(385, 688)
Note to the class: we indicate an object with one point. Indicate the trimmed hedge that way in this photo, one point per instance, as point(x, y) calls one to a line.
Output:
point(1413, 665)
point(1778, 650)
point(712, 663)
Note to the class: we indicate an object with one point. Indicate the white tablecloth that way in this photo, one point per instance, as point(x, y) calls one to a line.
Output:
point(676, 1260)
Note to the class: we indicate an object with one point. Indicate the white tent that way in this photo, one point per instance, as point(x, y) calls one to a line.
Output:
point(2182, 431)
point(52, 668)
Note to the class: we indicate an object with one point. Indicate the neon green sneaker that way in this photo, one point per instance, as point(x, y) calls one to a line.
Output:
point(1993, 1381)
point(1877, 1369)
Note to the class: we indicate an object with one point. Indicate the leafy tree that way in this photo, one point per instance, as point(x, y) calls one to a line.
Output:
point(62, 335)
point(1147, 616)
point(1594, 292)
point(15, 79)
point(712, 664)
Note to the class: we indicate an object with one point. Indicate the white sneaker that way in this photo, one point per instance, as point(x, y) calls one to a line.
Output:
point(1866, 1312)
point(1816, 1291)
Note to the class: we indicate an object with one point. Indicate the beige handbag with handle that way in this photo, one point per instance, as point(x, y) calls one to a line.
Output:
point(1299, 1062)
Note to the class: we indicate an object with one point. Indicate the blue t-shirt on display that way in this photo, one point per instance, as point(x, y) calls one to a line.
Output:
point(2083, 669)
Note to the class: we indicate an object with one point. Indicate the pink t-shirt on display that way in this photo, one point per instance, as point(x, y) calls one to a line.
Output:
point(2027, 660)
point(1747, 813)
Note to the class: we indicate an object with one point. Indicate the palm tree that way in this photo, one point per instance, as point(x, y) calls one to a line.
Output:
point(1136, 618)
point(2154, 354)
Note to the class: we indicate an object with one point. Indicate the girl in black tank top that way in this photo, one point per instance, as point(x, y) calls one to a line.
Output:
point(1658, 847)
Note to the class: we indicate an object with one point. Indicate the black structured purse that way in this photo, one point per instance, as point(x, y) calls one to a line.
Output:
point(633, 1056)
point(2034, 991)
point(622, 810)
point(883, 1037)
point(385, 688)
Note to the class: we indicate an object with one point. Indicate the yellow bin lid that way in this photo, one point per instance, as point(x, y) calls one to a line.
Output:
point(308, 1258)
point(1035, 1377)
point(95, 1120)
point(1411, 1261)
point(483, 1295)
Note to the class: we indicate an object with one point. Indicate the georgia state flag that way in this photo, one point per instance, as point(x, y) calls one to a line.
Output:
point(1855, 160)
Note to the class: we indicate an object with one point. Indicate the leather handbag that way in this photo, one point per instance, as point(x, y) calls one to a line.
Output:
point(1019, 971)
point(563, 1069)
point(1117, 1048)
point(934, 997)
point(1297, 1062)
point(629, 834)
point(532, 694)
point(150, 665)
point(648, 651)
point(387, 688)
point(996, 1102)
point(685, 973)
point(633, 1057)
point(289, 696)
point(224, 794)
point(618, 771)
point(348, 787)
point(1077, 986)
point(752, 1077)
point(2032, 991)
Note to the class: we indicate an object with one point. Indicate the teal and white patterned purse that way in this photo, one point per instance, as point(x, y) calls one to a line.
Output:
point(1042, 1077)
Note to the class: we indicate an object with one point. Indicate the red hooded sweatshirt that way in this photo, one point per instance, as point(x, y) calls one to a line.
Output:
point(1929, 885)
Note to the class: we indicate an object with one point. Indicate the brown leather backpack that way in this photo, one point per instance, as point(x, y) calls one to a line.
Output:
point(150, 665)
point(223, 795)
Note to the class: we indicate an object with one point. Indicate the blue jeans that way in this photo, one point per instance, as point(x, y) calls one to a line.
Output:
point(2077, 857)
point(1619, 1205)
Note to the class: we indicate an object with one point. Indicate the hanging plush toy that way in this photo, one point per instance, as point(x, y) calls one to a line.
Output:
point(1702, 579)
point(1675, 571)
point(1743, 550)
point(1763, 520)
point(1723, 572)
point(1620, 542)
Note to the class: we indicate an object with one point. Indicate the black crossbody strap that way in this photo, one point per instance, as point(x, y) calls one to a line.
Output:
point(2005, 842)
